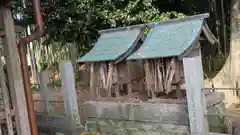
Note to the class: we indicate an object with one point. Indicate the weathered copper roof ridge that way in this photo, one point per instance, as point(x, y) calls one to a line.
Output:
point(153, 24)
point(175, 44)
point(124, 55)
point(122, 48)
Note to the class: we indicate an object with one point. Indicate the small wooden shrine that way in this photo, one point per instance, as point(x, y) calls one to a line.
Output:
point(171, 55)
point(163, 49)
point(109, 72)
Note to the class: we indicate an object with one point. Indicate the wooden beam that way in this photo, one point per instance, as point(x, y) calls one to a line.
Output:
point(195, 46)
point(2, 117)
point(178, 80)
point(14, 73)
point(18, 29)
point(6, 100)
point(194, 84)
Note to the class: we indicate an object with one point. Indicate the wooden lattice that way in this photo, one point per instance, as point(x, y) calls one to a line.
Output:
point(5, 110)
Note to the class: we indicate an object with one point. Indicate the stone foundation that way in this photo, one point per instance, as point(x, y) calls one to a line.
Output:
point(149, 118)
point(160, 118)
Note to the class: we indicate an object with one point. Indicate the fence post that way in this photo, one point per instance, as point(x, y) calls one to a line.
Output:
point(46, 94)
point(194, 83)
point(213, 88)
point(69, 92)
point(237, 87)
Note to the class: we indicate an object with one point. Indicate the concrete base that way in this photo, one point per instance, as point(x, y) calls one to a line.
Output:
point(149, 118)
point(134, 118)
point(52, 124)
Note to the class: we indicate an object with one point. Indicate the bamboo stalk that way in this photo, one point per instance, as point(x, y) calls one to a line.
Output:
point(129, 85)
point(116, 84)
point(1, 132)
point(153, 82)
point(160, 77)
point(92, 79)
point(167, 73)
point(147, 78)
point(177, 78)
point(172, 70)
point(109, 79)
point(155, 74)
point(4, 130)
point(98, 78)
point(103, 74)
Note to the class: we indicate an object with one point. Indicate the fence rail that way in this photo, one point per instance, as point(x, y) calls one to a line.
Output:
point(221, 89)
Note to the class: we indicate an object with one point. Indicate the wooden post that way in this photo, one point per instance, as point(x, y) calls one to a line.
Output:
point(92, 79)
point(117, 91)
point(45, 92)
point(14, 73)
point(69, 92)
point(5, 99)
point(195, 96)
point(129, 85)
point(237, 87)
point(1, 133)
point(4, 130)
point(178, 81)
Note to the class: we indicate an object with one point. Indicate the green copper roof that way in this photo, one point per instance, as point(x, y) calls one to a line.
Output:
point(112, 44)
point(171, 38)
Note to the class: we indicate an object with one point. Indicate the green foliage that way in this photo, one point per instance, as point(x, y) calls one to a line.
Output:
point(163, 17)
point(66, 21)
point(79, 20)
point(35, 89)
point(77, 75)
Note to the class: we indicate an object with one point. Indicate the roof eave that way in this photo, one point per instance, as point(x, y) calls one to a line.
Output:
point(124, 54)
point(208, 34)
point(90, 61)
point(195, 44)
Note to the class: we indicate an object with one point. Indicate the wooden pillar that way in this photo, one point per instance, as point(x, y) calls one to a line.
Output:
point(4, 91)
point(92, 80)
point(129, 85)
point(178, 80)
point(117, 91)
point(193, 73)
point(45, 92)
point(14, 73)
point(69, 92)
point(1, 132)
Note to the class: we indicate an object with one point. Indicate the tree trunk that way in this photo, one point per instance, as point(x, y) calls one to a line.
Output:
point(235, 40)
point(230, 73)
